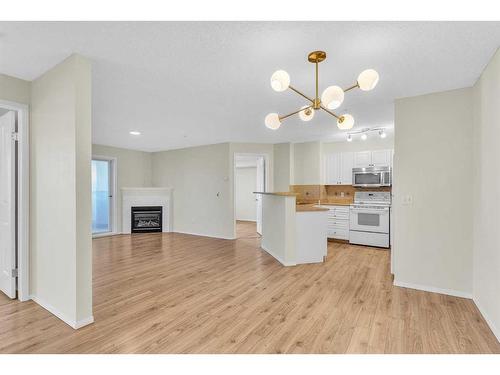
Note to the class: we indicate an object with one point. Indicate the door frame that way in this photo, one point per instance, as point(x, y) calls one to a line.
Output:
point(267, 181)
point(23, 198)
point(114, 187)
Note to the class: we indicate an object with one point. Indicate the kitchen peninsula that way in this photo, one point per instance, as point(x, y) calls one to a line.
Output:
point(293, 234)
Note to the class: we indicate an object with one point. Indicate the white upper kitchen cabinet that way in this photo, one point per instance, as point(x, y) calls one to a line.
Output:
point(338, 168)
point(381, 158)
point(375, 158)
point(347, 163)
point(332, 169)
point(362, 159)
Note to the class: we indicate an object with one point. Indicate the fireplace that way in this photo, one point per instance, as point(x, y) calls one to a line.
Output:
point(146, 219)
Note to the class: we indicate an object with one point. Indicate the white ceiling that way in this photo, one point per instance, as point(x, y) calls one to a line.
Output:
point(190, 83)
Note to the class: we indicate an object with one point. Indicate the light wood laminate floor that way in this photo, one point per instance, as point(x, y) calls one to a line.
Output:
point(176, 293)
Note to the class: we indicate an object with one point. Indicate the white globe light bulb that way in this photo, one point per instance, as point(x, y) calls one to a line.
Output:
point(364, 136)
point(307, 114)
point(272, 121)
point(280, 80)
point(382, 134)
point(368, 79)
point(349, 138)
point(332, 97)
point(345, 122)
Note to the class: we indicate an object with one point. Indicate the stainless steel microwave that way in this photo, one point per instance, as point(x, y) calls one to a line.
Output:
point(371, 177)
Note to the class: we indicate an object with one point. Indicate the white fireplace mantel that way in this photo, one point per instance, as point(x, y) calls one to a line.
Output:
point(148, 196)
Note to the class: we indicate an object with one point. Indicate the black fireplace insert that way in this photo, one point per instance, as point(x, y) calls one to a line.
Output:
point(147, 219)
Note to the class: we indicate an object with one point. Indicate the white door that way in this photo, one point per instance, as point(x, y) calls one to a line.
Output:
point(332, 169)
point(261, 186)
point(362, 159)
point(381, 158)
point(347, 163)
point(7, 205)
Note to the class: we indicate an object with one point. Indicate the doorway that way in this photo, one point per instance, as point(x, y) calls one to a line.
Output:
point(14, 201)
point(250, 175)
point(103, 196)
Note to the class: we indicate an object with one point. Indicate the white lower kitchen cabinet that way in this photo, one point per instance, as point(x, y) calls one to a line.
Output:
point(338, 222)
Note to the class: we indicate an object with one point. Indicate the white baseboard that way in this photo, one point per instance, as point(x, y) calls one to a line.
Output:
point(279, 259)
point(84, 322)
point(191, 234)
point(107, 234)
point(486, 317)
point(205, 235)
point(449, 292)
point(71, 322)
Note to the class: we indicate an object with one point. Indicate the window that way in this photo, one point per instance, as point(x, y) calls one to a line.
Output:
point(102, 195)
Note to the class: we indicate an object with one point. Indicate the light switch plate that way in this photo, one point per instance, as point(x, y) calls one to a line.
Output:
point(407, 200)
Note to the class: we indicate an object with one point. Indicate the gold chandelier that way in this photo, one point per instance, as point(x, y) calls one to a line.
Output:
point(332, 97)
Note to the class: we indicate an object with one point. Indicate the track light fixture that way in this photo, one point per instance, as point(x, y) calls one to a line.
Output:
point(364, 133)
point(331, 98)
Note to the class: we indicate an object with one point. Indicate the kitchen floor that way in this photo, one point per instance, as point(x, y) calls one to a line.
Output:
point(177, 293)
point(246, 229)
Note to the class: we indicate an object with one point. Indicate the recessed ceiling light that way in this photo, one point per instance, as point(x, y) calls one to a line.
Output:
point(134, 133)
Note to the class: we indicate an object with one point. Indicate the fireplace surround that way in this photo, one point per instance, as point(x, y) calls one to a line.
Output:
point(146, 197)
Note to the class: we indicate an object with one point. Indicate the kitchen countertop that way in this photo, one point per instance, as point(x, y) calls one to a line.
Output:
point(283, 193)
point(309, 208)
point(343, 203)
point(326, 203)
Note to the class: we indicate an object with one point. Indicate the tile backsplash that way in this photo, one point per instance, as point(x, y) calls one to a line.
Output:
point(342, 194)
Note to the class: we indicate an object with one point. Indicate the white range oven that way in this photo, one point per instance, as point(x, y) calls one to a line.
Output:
point(369, 219)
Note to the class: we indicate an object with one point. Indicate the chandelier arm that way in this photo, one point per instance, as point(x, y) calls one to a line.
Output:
point(330, 112)
point(316, 97)
point(301, 94)
point(352, 87)
point(294, 113)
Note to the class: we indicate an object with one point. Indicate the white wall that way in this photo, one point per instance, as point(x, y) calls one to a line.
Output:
point(245, 184)
point(278, 227)
point(203, 182)
point(134, 169)
point(486, 199)
point(283, 163)
point(202, 195)
point(301, 163)
point(433, 165)
point(307, 163)
point(61, 247)
point(374, 142)
point(14, 89)
point(266, 149)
